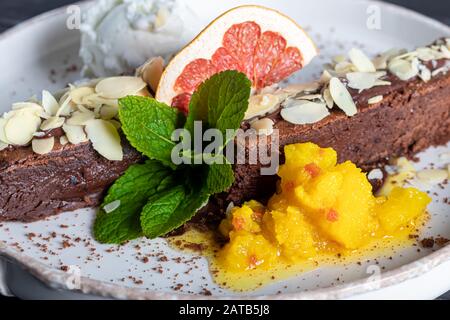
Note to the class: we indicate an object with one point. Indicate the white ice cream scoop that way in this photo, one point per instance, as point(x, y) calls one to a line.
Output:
point(117, 36)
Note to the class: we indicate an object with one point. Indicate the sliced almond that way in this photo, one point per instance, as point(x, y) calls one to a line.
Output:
point(115, 123)
point(380, 62)
point(82, 108)
point(52, 123)
point(375, 99)
point(105, 139)
point(382, 83)
point(43, 146)
point(361, 61)
point(75, 134)
point(342, 97)
point(63, 140)
point(344, 67)
point(292, 103)
point(58, 94)
point(328, 98)
point(28, 107)
point(79, 118)
point(143, 93)
point(39, 134)
point(309, 97)
point(305, 87)
point(406, 56)
point(445, 52)
point(151, 72)
point(49, 103)
point(108, 112)
point(78, 94)
point(2, 131)
point(426, 54)
point(304, 113)
point(361, 80)
point(64, 98)
point(43, 115)
point(112, 206)
point(95, 100)
point(119, 87)
point(365, 80)
point(66, 106)
point(325, 77)
point(19, 129)
point(424, 73)
point(97, 110)
point(403, 69)
point(432, 176)
point(260, 105)
point(263, 126)
point(443, 69)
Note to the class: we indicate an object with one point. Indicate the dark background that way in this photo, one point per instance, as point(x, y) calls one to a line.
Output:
point(15, 11)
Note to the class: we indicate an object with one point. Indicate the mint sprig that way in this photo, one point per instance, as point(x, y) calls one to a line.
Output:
point(157, 197)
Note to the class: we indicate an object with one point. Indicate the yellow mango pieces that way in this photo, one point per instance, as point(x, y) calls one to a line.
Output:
point(320, 204)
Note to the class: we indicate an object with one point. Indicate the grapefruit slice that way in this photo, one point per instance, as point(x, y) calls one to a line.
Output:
point(262, 43)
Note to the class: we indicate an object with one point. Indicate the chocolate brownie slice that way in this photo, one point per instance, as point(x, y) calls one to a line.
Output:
point(71, 177)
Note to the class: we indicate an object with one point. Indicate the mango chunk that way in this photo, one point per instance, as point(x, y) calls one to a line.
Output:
point(321, 192)
point(292, 233)
point(402, 206)
point(243, 218)
point(303, 162)
point(247, 251)
point(348, 220)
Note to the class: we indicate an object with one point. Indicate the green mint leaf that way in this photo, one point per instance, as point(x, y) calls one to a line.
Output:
point(194, 201)
point(132, 190)
point(219, 178)
point(157, 214)
point(220, 102)
point(148, 125)
point(169, 210)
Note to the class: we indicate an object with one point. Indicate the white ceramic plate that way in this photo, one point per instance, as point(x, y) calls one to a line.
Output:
point(40, 54)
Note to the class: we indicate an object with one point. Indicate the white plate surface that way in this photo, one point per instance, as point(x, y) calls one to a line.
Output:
point(41, 54)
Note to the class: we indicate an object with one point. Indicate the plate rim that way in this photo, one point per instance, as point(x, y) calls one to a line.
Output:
point(57, 279)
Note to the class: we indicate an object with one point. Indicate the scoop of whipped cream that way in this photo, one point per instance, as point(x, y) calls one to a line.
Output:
point(117, 36)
